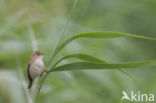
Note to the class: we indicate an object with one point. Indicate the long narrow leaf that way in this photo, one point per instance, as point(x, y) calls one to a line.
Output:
point(87, 58)
point(84, 57)
point(95, 66)
point(62, 32)
point(100, 35)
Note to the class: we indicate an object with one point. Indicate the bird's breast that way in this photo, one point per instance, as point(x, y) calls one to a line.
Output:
point(39, 62)
point(37, 68)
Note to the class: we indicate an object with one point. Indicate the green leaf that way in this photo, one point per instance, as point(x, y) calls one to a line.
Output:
point(87, 58)
point(99, 35)
point(102, 35)
point(95, 66)
point(84, 57)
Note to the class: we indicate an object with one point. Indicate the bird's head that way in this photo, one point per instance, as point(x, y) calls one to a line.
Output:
point(38, 54)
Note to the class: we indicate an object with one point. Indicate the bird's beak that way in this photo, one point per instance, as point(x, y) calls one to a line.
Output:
point(43, 53)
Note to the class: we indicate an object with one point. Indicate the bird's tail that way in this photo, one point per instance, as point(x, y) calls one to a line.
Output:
point(30, 84)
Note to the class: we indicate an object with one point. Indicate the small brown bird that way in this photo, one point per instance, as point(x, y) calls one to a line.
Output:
point(35, 67)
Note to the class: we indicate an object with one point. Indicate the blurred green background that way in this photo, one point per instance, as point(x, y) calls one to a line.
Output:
point(46, 19)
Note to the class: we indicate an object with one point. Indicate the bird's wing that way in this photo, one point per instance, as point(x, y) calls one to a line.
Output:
point(30, 79)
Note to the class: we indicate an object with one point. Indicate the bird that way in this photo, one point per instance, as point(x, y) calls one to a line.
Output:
point(35, 67)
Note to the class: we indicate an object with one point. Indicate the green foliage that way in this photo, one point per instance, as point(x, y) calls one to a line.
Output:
point(97, 66)
point(92, 66)
point(99, 35)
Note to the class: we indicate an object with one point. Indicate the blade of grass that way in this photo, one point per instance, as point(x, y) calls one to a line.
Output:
point(62, 32)
point(84, 57)
point(97, 66)
point(99, 35)
point(88, 58)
